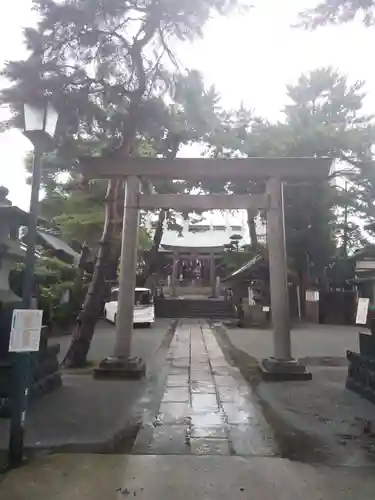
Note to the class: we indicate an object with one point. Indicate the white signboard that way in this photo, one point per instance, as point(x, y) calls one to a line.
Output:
point(362, 309)
point(25, 331)
point(312, 296)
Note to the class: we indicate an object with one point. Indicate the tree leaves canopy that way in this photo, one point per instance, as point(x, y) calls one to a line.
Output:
point(338, 12)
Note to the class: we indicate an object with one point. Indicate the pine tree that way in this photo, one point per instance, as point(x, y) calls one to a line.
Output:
point(325, 117)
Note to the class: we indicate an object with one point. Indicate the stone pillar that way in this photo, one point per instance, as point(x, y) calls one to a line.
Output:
point(312, 306)
point(212, 275)
point(217, 286)
point(281, 366)
point(128, 263)
point(278, 271)
point(121, 365)
point(174, 275)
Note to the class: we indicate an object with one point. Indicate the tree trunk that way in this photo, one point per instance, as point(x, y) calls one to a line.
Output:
point(153, 255)
point(251, 215)
point(78, 288)
point(94, 301)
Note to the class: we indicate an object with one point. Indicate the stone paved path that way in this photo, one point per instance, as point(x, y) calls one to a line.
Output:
point(207, 408)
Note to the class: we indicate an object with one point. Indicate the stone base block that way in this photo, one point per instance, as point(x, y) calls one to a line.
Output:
point(115, 368)
point(275, 370)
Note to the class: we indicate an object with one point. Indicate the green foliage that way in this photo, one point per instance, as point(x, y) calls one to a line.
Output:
point(78, 210)
point(324, 118)
point(93, 59)
point(338, 12)
point(52, 278)
point(339, 271)
point(78, 213)
point(103, 65)
point(234, 257)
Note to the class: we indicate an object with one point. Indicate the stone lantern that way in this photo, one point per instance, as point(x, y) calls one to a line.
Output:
point(11, 218)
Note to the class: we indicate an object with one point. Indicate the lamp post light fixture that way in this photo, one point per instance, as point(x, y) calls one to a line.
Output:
point(39, 126)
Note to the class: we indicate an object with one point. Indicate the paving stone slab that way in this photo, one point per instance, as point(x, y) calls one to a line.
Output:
point(173, 413)
point(245, 440)
point(218, 431)
point(209, 446)
point(170, 439)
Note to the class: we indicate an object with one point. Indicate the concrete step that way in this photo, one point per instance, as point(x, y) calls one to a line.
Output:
point(190, 308)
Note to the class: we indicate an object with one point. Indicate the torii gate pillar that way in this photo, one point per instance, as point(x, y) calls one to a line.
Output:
point(281, 366)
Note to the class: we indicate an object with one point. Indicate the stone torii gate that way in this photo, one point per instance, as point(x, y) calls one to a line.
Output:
point(271, 170)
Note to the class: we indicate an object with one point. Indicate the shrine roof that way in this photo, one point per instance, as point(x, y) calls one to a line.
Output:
point(13, 212)
point(58, 244)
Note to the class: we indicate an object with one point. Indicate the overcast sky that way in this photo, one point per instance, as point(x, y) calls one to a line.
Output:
point(249, 58)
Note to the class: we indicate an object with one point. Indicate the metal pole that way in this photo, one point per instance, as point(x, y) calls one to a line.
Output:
point(278, 270)
point(128, 263)
point(22, 367)
point(28, 275)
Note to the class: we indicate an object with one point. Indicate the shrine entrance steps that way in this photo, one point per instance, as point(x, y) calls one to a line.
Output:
point(194, 308)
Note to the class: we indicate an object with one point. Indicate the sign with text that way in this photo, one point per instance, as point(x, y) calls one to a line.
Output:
point(362, 310)
point(25, 331)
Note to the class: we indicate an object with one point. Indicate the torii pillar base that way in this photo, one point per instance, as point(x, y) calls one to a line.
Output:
point(116, 368)
point(279, 370)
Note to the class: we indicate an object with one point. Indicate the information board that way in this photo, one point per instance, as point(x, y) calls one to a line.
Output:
point(25, 330)
point(362, 310)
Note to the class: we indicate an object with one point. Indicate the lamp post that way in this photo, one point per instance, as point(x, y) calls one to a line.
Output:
point(39, 126)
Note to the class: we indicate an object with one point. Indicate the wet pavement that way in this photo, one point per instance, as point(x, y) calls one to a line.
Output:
point(94, 415)
point(207, 408)
point(203, 414)
point(166, 477)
